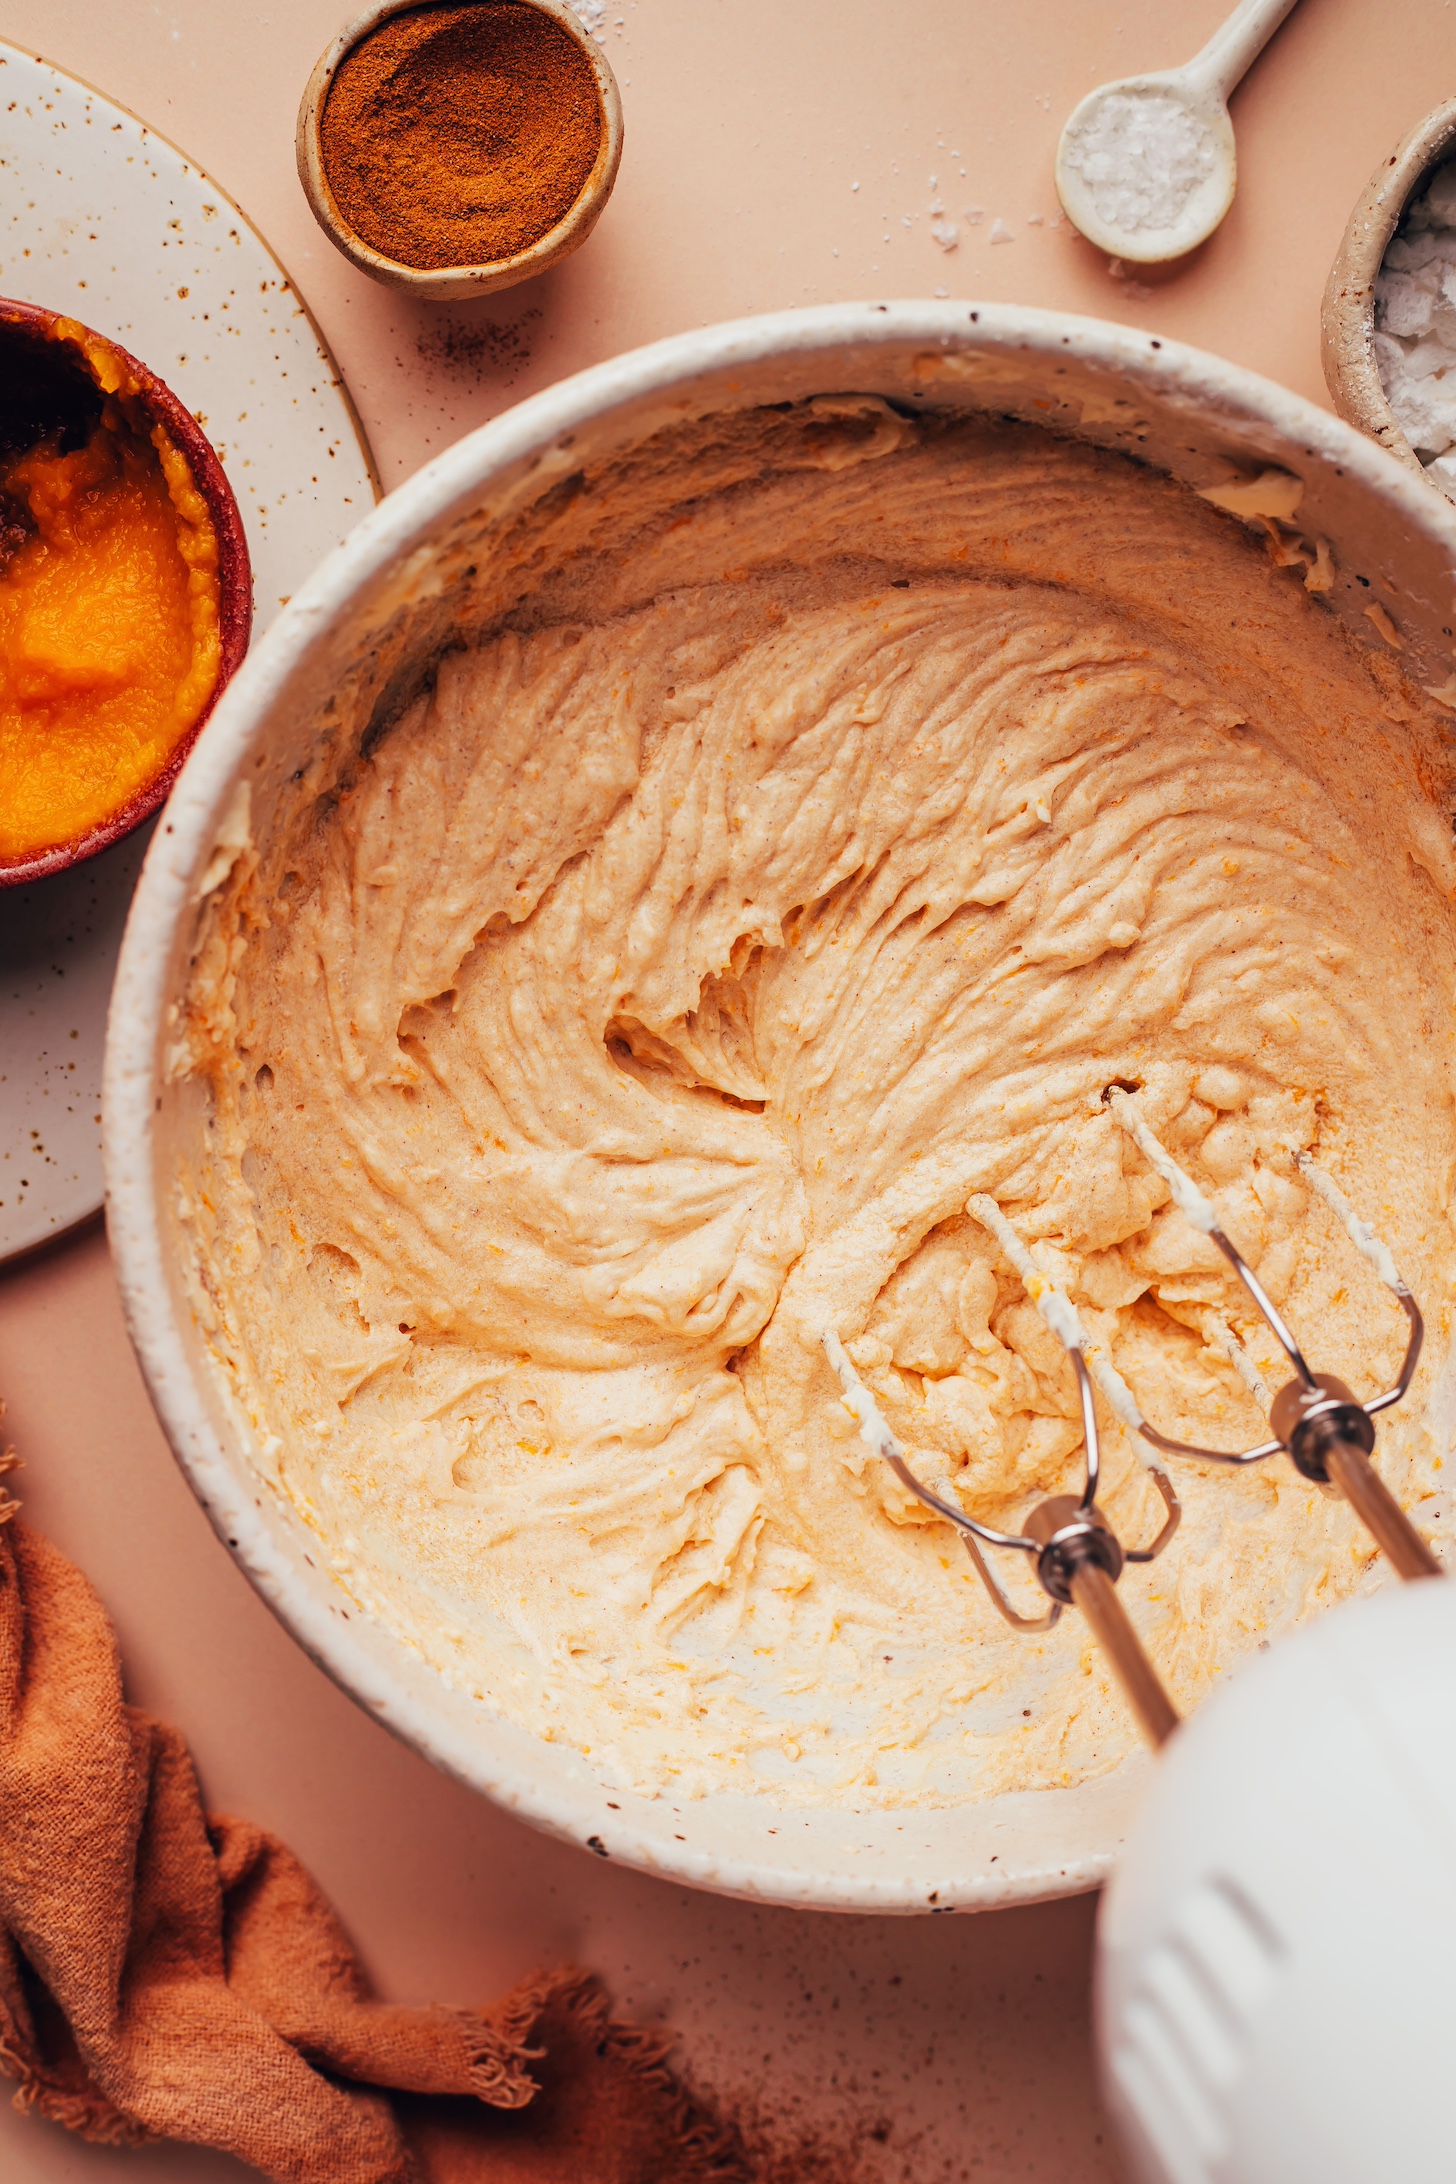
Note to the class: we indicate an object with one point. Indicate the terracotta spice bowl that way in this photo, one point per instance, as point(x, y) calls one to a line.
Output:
point(56, 373)
point(444, 284)
point(1347, 315)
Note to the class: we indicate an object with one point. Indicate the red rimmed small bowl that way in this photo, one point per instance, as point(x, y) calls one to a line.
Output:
point(50, 359)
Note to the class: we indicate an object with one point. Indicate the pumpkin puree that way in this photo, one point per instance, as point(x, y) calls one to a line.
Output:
point(110, 638)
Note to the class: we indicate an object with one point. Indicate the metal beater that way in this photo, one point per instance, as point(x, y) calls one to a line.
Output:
point(1315, 1419)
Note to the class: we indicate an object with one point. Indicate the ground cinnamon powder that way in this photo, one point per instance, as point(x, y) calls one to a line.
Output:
point(459, 134)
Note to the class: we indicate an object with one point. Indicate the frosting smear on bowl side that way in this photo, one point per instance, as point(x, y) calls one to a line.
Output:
point(821, 809)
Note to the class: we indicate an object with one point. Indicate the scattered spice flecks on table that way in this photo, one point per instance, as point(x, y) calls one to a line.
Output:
point(481, 346)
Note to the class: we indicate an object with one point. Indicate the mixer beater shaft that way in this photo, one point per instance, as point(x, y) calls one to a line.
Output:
point(1352, 1472)
point(1080, 1565)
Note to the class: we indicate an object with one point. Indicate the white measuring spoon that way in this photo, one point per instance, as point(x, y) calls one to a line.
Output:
point(1146, 166)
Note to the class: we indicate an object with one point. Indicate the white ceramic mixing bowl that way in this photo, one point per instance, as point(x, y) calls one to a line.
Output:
point(379, 607)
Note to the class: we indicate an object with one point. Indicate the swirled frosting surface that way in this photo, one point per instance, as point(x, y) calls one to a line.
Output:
point(820, 812)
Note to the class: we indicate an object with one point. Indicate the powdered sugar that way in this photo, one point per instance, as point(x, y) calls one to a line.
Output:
point(1415, 327)
point(1140, 155)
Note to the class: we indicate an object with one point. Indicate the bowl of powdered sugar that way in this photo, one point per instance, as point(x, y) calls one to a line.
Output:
point(1389, 318)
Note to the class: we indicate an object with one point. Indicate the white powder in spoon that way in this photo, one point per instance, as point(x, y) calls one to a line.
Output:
point(1415, 327)
point(1140, 157)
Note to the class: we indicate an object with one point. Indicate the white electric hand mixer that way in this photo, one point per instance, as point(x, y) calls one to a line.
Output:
point(1315, 1420)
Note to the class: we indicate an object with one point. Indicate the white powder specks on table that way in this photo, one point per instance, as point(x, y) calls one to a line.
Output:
point(1415, 327)
point(1140, 156)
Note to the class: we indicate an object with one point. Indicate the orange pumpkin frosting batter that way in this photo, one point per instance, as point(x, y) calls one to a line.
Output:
point(110, 637)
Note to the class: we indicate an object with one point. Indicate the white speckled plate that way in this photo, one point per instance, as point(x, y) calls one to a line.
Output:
point(102, 218)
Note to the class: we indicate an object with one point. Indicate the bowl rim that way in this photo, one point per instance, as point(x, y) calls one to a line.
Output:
point(234, 574)
point(537, 432)
point(1347, 308)
point(441, 284)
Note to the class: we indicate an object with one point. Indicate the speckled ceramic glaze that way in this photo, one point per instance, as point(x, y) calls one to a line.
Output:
point(103, 220)
point(394, 585)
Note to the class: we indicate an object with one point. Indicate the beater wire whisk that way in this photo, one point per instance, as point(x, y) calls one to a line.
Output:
point(1316, 1420)
point(1078, 1556)
point(1315, 1417)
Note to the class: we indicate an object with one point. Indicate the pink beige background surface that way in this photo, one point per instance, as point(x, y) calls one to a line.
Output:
point(954, 2047)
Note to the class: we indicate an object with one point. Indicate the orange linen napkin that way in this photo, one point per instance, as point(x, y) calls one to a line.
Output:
point(168, 1974)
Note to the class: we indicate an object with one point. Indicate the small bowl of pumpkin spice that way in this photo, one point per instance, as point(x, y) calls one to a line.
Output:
point(460, 146)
